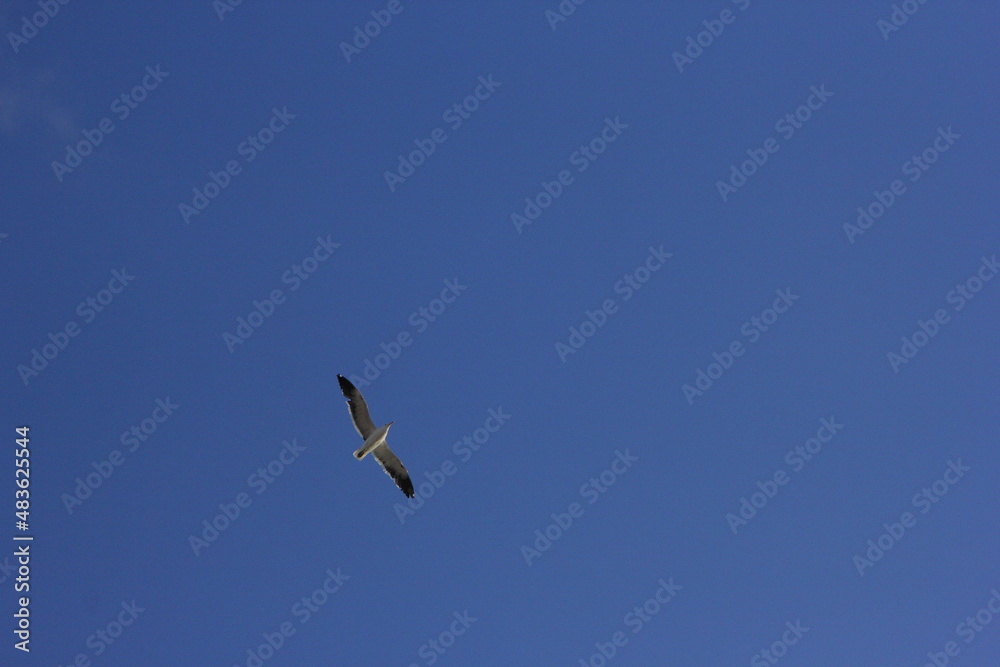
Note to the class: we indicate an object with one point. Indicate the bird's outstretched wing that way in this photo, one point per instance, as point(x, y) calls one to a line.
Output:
point(394, 468)
point(358, 408)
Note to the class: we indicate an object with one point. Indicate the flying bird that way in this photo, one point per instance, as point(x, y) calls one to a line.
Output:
point(374, 437)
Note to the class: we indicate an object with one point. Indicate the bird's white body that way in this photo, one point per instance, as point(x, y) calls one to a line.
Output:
point(372, 441)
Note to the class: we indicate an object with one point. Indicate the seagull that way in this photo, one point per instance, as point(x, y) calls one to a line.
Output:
point(374, 437)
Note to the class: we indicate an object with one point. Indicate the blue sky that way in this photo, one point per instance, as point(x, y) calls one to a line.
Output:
point(685, 315)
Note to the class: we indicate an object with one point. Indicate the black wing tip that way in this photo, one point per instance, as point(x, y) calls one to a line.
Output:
point(406, 486)
point(345, 384)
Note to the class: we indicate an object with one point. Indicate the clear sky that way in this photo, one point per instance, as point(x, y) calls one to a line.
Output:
point(685, 313)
